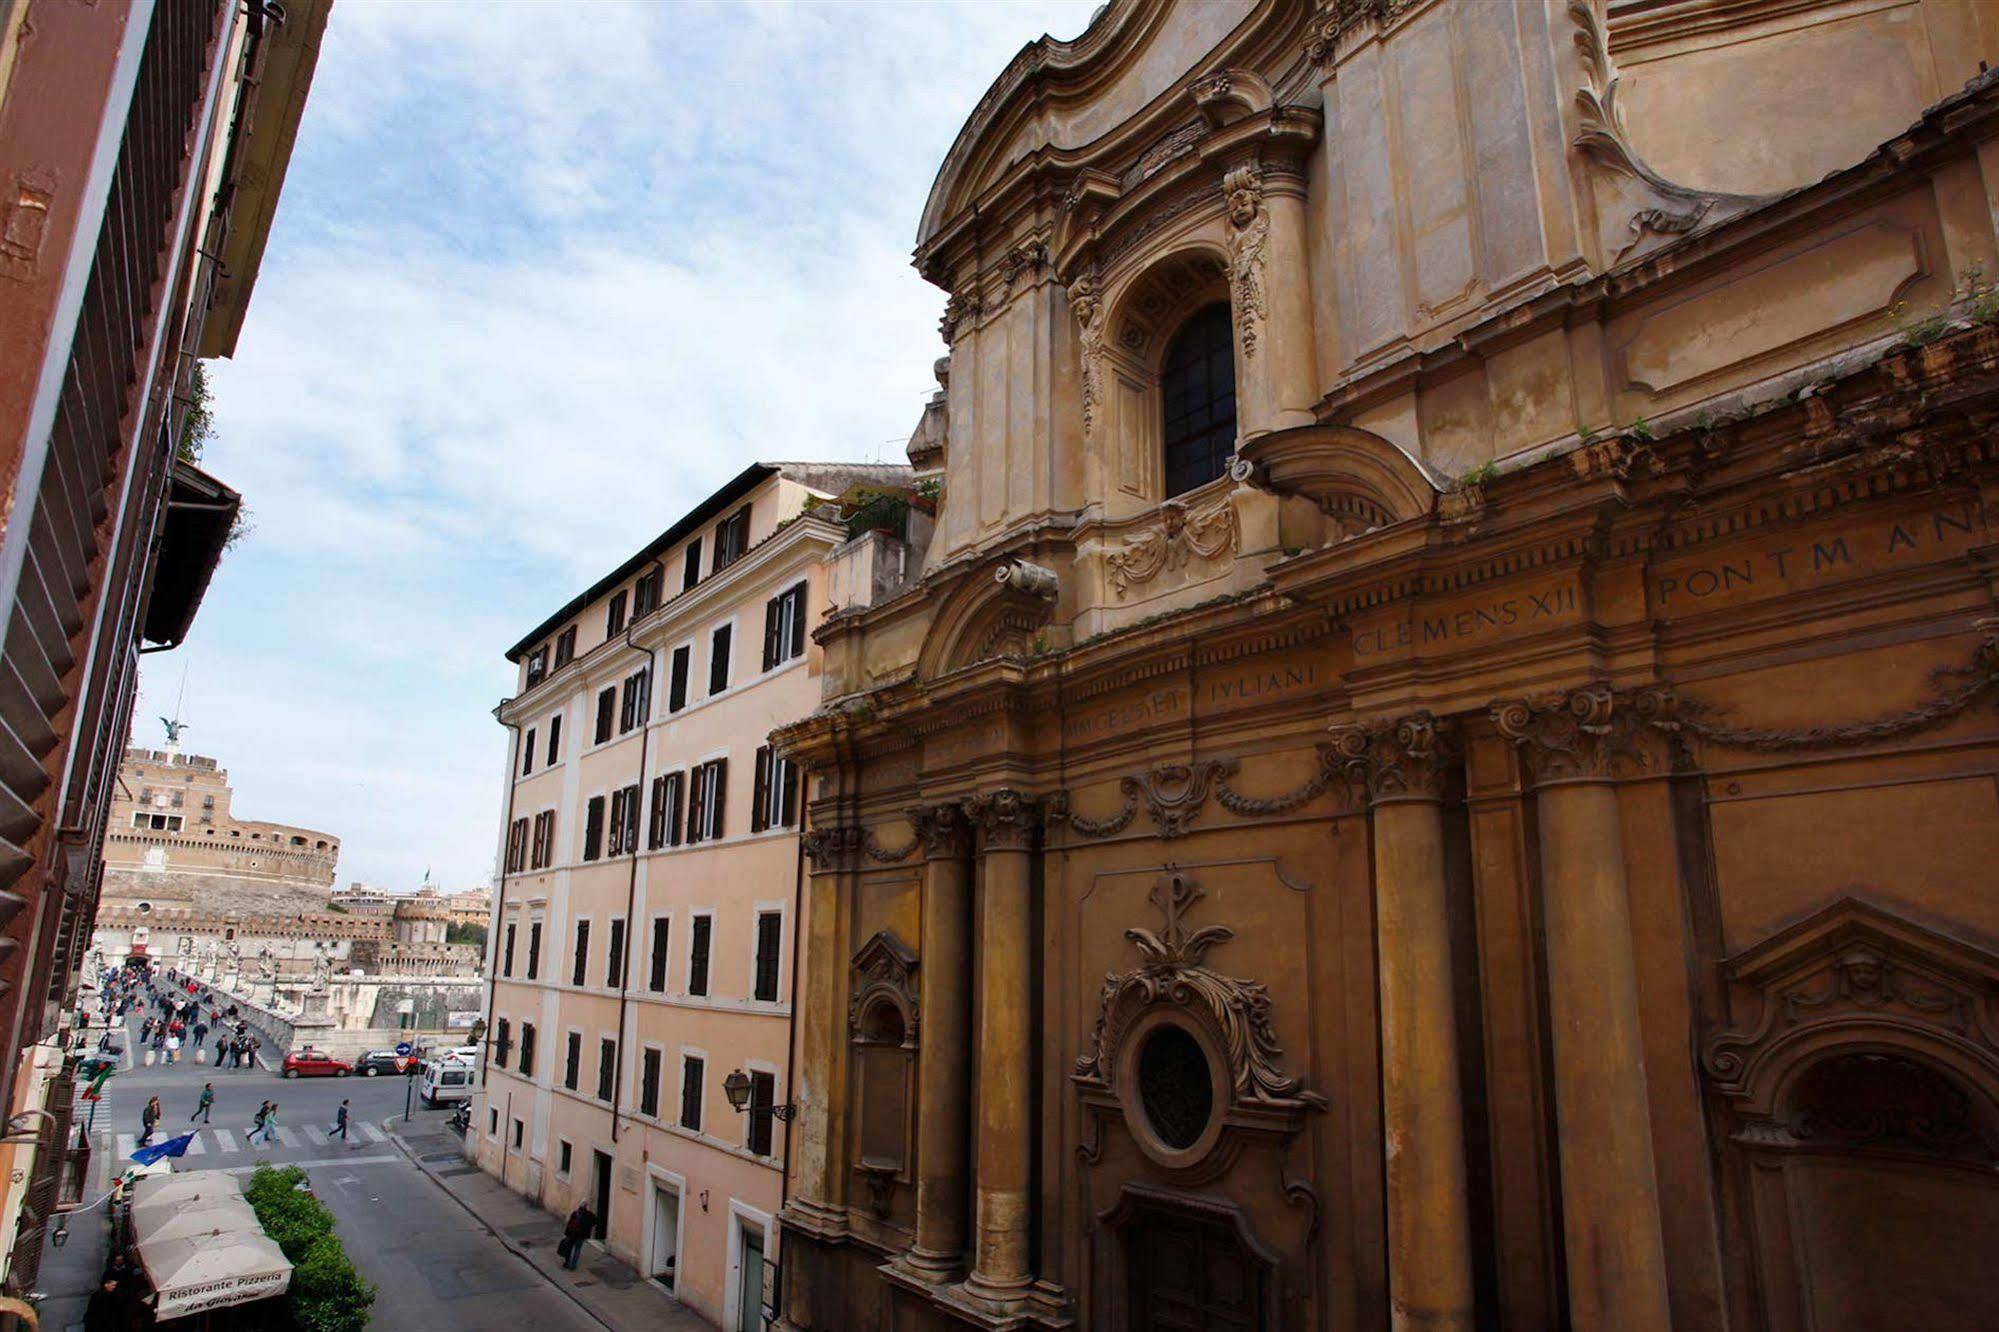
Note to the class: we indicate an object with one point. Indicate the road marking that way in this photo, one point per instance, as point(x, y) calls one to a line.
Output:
point(370, 1132)
point(328, 1161)
point(225, 1142)
point(194, 1147)
point(318, 1135)
point(285, 1137)
point(127, 1144)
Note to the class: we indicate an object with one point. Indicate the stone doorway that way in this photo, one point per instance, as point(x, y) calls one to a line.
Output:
point(1191, 1269)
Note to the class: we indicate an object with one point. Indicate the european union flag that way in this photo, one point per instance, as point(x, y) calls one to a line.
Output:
point(171, 1147)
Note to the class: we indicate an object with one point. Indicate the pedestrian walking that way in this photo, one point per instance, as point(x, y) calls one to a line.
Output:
point(339, 1122)
point(581, 1222)
point(173, 1048)
point(257, 1122)
point(106, 1311)
point(148, 1118)
point(145, 1031)
point(221, 1052)
point(207, 1102)
point(200, 1033)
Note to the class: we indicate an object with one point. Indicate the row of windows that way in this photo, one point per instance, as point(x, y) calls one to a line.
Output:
point(700, 952)
point(731, 542)
point(693, 1082)
point(622, 709)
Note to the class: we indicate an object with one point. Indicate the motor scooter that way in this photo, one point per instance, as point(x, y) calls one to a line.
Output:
point(461, 1116)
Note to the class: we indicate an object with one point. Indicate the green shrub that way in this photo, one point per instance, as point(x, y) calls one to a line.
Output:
point(327, 1293)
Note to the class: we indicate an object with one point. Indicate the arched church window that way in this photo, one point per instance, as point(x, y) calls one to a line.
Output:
point(1197, 400)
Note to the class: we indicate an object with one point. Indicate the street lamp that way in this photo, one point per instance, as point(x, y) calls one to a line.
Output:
point(737, 1088)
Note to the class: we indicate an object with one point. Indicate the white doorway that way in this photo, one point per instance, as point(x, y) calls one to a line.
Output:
point(663, 1256)
point(749, 1241)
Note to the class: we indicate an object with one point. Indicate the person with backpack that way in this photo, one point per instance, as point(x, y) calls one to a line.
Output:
point(581, 1222)
point(259, 1123)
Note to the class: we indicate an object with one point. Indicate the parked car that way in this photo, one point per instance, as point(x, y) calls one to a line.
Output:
point(451, 1078)
point(376, 1063)
point(311, 1063)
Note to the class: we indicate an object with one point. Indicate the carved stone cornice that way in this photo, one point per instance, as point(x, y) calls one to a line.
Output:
point(1007, 820)
point(1595, 733)
point(837, 847)
point(1407, 758)
point(1323, 36)
point(943, 830)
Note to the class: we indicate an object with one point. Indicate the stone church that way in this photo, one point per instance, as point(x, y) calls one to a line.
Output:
point(1439, 768)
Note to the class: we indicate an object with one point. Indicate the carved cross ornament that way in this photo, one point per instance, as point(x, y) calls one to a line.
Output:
point(1172, 970)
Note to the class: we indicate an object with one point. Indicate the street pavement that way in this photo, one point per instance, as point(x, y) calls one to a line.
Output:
point(433, 1263)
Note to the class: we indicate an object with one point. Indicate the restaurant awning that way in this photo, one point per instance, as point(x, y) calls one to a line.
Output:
point(201, 1246)
point(200, 513)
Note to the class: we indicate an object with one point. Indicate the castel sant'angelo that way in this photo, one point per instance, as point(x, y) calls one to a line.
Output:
point(1440, 769)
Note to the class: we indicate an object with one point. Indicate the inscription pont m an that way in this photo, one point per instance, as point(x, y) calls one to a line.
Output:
point(1802, 561)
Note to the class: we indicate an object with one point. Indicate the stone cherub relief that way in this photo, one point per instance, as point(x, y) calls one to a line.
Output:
point(1180, 536)
point(1248, 234)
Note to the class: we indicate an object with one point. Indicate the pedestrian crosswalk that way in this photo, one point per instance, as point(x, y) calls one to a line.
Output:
point(224, 1142)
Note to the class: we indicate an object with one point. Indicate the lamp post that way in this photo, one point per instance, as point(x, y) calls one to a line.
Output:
point(737, 1088)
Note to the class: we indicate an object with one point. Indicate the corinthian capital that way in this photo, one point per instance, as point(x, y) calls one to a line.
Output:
point(942, 829)
point(834, 848)
point(1595, 733)
point(1408, 758)
point(1006, 819)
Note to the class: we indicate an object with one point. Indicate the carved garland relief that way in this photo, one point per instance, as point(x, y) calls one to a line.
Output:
point(1175, 794)
point(1180, 536)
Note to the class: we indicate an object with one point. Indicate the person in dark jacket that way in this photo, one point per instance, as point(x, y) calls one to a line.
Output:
point(581, 1222)
point(109, 1308)
point(149, 1117)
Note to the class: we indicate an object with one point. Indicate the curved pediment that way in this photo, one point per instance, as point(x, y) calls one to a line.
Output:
point(995, 612)
point(1063, 95)
point(1354, 476)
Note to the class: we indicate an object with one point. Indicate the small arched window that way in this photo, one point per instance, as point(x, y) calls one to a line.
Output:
point(1197, 400)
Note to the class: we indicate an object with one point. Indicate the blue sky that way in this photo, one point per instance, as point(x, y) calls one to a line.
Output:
point(543, 275)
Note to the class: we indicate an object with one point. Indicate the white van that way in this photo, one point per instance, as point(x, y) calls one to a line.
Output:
point(450, 1076)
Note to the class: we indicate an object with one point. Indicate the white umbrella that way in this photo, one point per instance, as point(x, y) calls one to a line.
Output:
point(201, 1245)
point(203, 1216)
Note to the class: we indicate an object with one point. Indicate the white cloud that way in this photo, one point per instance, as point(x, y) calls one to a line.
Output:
point(542, 277)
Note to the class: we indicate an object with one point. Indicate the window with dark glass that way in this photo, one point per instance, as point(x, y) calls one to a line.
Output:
point(697, 955)
point(527, 753)
point(718, 658)
point(763, 1100)
point(704, 801)
point(774, 799)
point(656, 978)
point(637, 706)
point(527, 1049)
point(645, 594)
point(649, 1083)
point(614, 960)
point(690, 1093)
point(564, 1154)
point(607, 712)
point(507, 956)
point(784, 626)
point(614, 617)
point(1197, 400)
point(593, 828)
point(581, 968)
point(572, 1061)
point(537, 666)
point(503, 1042)
point(565, 647)
point(732, 538)
point(607, 1066)
point(770, 939)
point(554, 738)
point(690, 572)
point(619, 798)
point(676, 686)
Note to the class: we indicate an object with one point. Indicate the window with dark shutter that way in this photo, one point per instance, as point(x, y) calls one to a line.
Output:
point(697, 957)
point(614, 618)
point(507, 957)
point(554, 738)
point(656, 978)
point(656, 816)
point(607, 1066)
point(760, 791)
point(628, 709)
point(607, 707)
point(503, 1043)
point(527, 1049)
point(732, 538)
point(690, 572)
point(704, 803)
point(674, 782)
point(572, 1061)
point(773, 635)
point(593, 828)
point(534, 950)
point(718, 658)
point(614, 959)
point(770, 935)
point(565, 647)
point(527, 753)
point(537, 667)
point(690, 1093)
point(784, 626)
point(788, 785)
point(649, 1083)
point(797, 595)
point(645, 594)
point(582, 965)
point(617, 830)
point(763, 1102)
point(676, 686)
point(697, 800)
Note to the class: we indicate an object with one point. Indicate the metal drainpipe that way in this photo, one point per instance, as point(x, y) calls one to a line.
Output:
point(632, 882)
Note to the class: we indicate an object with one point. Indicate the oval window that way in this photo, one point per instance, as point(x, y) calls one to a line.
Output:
point(1174, 1086)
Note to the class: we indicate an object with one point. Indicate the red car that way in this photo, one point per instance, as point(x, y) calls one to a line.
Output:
point(311, 1063)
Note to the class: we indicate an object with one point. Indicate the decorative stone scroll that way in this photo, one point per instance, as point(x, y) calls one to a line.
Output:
point(1407, 758)
point(1229, 1015)
point(1248, 235)
point(1322, 38)
point(942, 829)
point(1007, 820)
point(1180, 536)
point(833, 848)
point(1086, 303)
point(1174, 794)
point(1594, 733)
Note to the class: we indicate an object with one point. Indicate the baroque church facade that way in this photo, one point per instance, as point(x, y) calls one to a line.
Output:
point(1439, 771)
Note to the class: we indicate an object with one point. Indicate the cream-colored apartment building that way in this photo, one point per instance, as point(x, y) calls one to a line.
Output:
point(647, 906)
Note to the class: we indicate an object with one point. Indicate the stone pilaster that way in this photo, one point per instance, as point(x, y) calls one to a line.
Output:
point(1576, 746)
point(818, 1203)
point(1404, 766)
point(943, 1056)
point(1008, 824)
